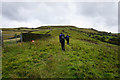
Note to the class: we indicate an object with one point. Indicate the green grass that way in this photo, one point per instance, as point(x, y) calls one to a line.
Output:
point(85, 57)
point(11, 41)
point(88, 30)
point(41, 31)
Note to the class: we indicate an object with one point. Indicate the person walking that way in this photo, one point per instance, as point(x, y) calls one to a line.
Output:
point(67, 39)
point(62, 41)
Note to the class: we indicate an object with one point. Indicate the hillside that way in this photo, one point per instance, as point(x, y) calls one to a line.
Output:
point(85, 57)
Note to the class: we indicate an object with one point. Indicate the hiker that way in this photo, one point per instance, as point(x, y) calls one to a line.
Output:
point(67, 39)
point(62, 41)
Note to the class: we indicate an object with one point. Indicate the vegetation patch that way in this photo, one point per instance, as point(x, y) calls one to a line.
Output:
point(45, 59)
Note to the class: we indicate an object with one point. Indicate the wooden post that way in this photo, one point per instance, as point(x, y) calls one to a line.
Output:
point(16, 37)
point(21, 37)
point(2, 42)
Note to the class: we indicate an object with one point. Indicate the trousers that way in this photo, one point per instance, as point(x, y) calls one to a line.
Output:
point(62, 41)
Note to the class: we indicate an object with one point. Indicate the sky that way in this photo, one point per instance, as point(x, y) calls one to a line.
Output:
point(102, 16)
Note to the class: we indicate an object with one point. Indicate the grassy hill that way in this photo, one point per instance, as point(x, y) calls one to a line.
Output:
point(85, 57)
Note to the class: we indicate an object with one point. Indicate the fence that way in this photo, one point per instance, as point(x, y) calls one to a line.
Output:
point(11, 38)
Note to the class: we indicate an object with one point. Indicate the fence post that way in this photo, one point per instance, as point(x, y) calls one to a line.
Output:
point(2, 41)
point(16, 37)
point(21, 37)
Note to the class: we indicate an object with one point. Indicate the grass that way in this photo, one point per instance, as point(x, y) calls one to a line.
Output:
point(85, 57)
point(41, 32)
point(88, 30)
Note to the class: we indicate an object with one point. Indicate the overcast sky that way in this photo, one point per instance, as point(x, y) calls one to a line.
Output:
point(102, 16)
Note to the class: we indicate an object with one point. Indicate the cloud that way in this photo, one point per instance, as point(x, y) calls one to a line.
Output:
point(119, 17)
point(0, 15)
point(101, 16)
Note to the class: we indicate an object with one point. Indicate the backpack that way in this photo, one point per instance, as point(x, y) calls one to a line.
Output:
point(62, 36)
point(67, 37)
